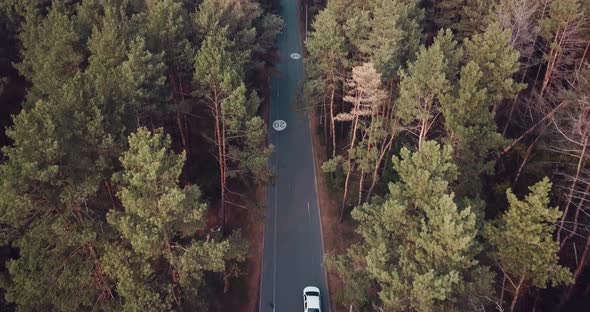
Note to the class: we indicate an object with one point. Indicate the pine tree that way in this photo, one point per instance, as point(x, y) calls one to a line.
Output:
point(345, 9)
point(463, 17)
point(421, 89)
point(418, 246)
point(238, 134)
point(251, 29)
point(49, 183)
point(476, 15)
point(471, 129)
point(523, 242)
point(497, 60)
point(108, 50)
point(326, 63)
point(51, 51)
point(146, 83)
point(160, 265)
point(168, 30)
point(453, 53)
point(351, 270)
point(98, 69)
point(358, 30)
point(237, 18)
point(268, 27)
point(395, 36)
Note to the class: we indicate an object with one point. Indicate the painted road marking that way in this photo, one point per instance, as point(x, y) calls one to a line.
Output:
point(295, 56)
point(279, 125)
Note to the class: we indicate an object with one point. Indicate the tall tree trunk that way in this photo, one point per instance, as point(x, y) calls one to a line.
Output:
point(516, 294)
point(526, 158)
point(224, 159)
point(579, 269)
point(502, 291)
point(350, 167)
point(186, 125)
point(368, 134)
point(572, 188)
point(362, 180)
point(324, 123)
point(176, 86)
point(554, 57)
point(582, 61)
point(110, 191)
point(387, 142)
point(220, 138)
point(577, 215)
point(179, 123)
point(384, 151)
point(332, 121)
point(423, 132)
point(188, 135)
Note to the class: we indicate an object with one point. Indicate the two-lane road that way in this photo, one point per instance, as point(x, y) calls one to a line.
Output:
point(293, 251)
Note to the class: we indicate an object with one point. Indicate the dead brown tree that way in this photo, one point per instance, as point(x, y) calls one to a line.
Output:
point(364, 93)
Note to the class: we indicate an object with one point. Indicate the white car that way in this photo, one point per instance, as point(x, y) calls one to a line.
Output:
point(311, 299)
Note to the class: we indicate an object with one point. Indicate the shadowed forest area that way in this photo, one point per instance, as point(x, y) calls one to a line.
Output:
point(131, 136)
point(457, 141)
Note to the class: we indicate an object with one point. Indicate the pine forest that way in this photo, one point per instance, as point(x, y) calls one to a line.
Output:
point(449, 139)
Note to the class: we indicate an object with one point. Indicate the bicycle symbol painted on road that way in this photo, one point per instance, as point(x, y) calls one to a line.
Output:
point(295, 56)
point(279, 125)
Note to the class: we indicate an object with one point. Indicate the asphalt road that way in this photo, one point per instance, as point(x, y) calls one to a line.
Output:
point(293, 252)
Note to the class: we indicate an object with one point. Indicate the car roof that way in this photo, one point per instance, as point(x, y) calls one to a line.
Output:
point(313, 302)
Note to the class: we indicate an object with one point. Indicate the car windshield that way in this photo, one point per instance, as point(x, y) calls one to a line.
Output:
point(313, 310)
point(313, 293)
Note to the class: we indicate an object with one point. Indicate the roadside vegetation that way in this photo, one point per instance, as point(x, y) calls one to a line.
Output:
point(457, 134)
point(138, 135)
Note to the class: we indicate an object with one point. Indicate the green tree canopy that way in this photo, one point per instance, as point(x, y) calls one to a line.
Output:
point(49, 184)
point(421, 88)
point(523, 242)
point(160, 263)
point(396, 35)
point(52, 52)
point(497, 60)
point(418, 246)
point(471, 129)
